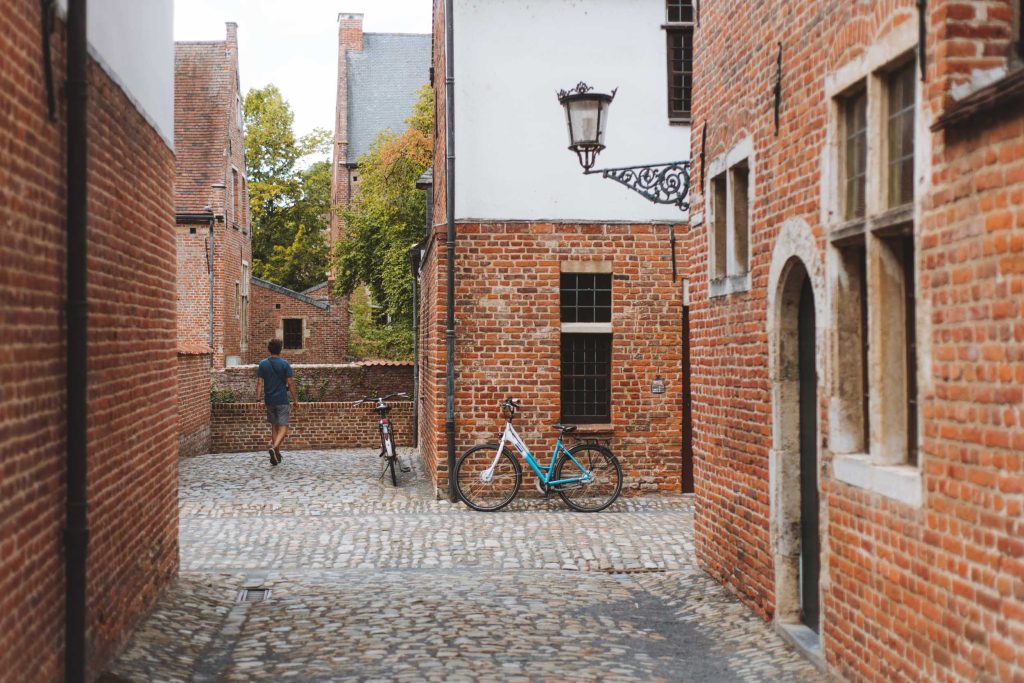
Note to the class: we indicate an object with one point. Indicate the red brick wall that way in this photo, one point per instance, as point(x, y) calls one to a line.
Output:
point(508, 340)
point(929, 593)
point(193, 403)
point(210, 156)
point(348, 382)
point(326, 330)
point(242, 427)
point(132, 442)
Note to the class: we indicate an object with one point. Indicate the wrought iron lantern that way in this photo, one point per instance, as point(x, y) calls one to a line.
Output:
point(586, 114)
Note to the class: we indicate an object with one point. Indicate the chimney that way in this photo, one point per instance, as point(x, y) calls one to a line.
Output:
point(232, 34)
point(350, 32)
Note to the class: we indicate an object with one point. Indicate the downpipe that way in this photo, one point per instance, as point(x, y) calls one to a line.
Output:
point(449, 333)
point(76, 531)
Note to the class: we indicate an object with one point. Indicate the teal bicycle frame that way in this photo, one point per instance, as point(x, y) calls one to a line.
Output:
point(511, 436)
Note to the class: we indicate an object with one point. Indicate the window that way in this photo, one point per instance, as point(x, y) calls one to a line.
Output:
point(292, 328)
point(901, 94)
point(586, 343)
point(680, 15)
point(719, 195)
point(236, 202)
point(729, 223)
point(855, 154)
point(876, 416)
point(243, 325)
point(238, 301)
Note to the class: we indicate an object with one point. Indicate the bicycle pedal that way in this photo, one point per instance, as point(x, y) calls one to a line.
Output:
point(405, 468)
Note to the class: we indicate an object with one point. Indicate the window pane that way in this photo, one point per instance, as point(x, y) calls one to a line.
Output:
point(900, 132)
point(679, 10)
point(586, 377)
point(586, 298)
point(292, 333)
point(680, 70)
point(856, 153)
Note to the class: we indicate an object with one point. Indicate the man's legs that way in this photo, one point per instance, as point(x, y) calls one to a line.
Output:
point(280, 432)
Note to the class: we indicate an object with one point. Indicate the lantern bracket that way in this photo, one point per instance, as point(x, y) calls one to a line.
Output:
point(667, 183)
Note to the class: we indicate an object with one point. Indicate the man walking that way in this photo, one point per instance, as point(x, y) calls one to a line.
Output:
point(273, 385)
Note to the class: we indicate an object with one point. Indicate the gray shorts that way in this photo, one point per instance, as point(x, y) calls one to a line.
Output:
point(278, 415)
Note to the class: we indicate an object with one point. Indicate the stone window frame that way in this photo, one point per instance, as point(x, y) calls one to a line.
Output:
point(243, 318)
point(604, 329)
point(880, 464)
point(727, 247)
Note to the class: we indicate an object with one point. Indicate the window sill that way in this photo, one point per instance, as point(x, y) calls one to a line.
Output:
point(680, 120)
point(848, 233)
point(901, 483)
point(731, 284)
point(894, 222)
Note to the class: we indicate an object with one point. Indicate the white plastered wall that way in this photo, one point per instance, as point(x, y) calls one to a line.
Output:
point(511, 58)
point(133, 41)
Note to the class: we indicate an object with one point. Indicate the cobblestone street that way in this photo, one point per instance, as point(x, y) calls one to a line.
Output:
point(374, 583)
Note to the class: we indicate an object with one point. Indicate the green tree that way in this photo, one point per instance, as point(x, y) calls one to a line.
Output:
point(290, 206)
point(383, 221)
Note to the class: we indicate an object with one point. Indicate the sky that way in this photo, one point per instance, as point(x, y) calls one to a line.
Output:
point(294, 43)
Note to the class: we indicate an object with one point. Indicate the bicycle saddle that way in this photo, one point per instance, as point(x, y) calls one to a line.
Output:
point(565, 429)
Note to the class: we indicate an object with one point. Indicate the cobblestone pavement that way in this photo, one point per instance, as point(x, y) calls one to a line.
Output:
point(373, 583)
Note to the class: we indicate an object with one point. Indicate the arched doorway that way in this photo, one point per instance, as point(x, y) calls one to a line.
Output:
point(793, 334)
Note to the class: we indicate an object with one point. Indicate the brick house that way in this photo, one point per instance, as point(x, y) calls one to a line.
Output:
point(313, 324)
point(564, 291)
point(378, 76)
point(855, 282)
point(211, 199)
point(124, 428)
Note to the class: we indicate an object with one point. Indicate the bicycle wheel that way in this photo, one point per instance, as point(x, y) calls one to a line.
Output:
point(495, 492)
point(391, 459)
point(606, 478)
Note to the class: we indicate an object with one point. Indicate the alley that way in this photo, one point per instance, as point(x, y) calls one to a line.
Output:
point(369, 582)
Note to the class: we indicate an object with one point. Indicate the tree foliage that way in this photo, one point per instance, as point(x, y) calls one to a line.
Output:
point(383, 221)
point(290, 206)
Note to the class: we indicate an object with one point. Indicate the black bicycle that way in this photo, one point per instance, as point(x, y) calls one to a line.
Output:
point(387, 435)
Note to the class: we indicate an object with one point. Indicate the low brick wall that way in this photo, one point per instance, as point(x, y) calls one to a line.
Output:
point(193, 402)
point(342, 382)
point(242, 427)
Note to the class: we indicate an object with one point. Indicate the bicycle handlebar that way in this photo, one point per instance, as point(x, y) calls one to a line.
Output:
point(381, 399)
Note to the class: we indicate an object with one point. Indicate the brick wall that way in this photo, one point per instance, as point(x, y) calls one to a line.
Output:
point(242, 427)
point(508, 341)
point(909, 592)
point(210, 177)
point(347, 382)
point(193, 401)
point(325, 325)
point(132, 437)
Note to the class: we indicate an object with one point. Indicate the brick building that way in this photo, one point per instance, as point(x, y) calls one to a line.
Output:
point(855, 282)
point(129, 432)
point(378, 76)
point(313, 324)
point(214, 241)
point(564, 292)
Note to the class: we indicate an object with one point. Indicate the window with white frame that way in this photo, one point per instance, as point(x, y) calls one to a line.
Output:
point(586, 342)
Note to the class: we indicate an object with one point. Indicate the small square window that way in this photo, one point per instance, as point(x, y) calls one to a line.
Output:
point(586, 297)
point(292, 333)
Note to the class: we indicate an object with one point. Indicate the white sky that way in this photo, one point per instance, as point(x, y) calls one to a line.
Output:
point(294, 43)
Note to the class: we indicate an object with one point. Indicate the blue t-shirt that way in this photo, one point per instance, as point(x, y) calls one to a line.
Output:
point(275, 373)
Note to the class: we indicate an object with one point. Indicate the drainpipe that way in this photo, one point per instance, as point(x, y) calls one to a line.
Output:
point(414, 263)
point(76, 532)
point(449, 175)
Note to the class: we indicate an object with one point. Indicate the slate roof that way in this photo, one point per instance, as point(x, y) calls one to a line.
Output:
point(203, 91)
point(324, 305)
point(382, 84)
